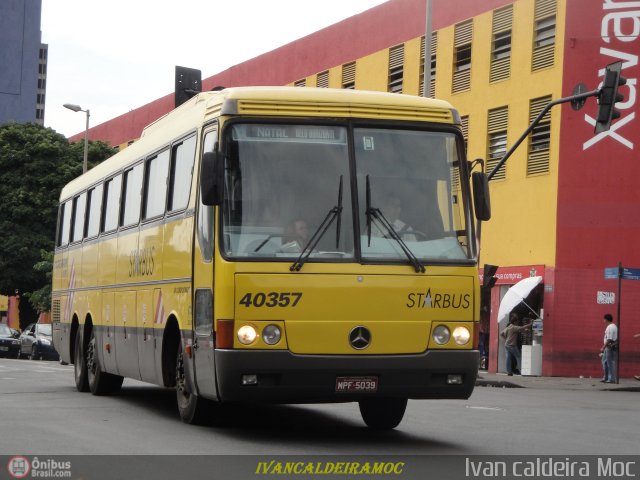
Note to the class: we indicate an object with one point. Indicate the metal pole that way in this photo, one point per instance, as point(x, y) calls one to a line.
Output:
point(619, 305)
point(427, 52)
point(86, 145)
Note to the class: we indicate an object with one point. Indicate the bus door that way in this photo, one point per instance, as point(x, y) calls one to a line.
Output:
point(203, 334)
point(146, 299)
point(204, 343)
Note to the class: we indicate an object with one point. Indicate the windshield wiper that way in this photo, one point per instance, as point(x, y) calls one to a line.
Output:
point(375, 214)
point(264, 242)
point(335, 212)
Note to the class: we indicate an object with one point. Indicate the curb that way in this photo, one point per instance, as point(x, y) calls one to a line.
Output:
point(480, 382)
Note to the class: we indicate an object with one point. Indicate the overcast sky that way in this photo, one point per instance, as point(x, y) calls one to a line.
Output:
point(112, 56)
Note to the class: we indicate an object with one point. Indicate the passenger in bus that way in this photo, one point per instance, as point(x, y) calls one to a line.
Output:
point(296, 236)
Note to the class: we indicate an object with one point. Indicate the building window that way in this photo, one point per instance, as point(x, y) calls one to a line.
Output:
point(501, 46)
point(497, 140)
point(464, 126)
point(323, 80)
point(349, 76)
point(540, 138)
point(301, 83)
point(544, 34)
point(432, 77)
point(462, 56)
point(396, 69)
point(455, 171)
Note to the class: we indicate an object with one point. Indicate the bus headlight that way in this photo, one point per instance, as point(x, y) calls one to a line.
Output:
point(441, 335)
point(461, 335)
point(247, 334)
point(271, 334)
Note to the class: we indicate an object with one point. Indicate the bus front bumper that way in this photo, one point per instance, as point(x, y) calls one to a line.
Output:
point(283, 377)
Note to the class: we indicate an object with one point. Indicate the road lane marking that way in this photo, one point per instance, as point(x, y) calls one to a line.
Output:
point(484, 408)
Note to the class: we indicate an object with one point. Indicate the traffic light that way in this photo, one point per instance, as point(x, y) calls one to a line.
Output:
point(609, 96)
point(188, 84)
point(488, 278)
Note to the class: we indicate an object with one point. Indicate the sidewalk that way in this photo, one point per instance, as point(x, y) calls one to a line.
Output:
point(501, 380)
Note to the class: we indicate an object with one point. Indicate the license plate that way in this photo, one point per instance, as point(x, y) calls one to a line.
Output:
point(4, 349)
point(356, 384)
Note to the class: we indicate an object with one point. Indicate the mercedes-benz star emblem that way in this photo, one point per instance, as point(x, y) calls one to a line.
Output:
point(360, 337)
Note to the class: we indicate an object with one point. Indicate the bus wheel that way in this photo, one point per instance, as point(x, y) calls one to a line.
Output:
point(193, 409)
point(80, 365)
point(383, 413)
point(100, 383)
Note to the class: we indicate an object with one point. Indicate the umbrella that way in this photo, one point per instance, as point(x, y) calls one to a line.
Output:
point(517, 295)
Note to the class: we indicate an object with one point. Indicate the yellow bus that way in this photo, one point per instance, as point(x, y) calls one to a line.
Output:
point(276, 244)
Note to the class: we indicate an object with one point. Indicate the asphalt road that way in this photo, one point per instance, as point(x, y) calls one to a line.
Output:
point(42, 413)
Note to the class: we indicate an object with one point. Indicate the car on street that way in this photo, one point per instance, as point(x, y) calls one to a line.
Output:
point(36, 342)
point(9, 343)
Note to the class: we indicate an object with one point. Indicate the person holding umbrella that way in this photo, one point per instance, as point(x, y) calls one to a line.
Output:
point(511, 344)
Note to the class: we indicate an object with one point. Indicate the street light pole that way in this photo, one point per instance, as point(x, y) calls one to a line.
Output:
point(77, 108)
point(426, 80)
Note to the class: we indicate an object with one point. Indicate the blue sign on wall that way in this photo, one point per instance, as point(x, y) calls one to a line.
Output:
point(611, 273)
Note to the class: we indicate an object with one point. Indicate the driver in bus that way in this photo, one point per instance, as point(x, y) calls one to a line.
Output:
point(391, 209)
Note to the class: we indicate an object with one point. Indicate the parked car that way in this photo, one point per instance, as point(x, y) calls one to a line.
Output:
point(36, 342)
point(9, 343)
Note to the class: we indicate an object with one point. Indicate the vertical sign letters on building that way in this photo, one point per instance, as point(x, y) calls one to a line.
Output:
point(619, 33)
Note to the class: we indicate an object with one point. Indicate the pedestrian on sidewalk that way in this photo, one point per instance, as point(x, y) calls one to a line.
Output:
point(511, 334)
point(609, 350)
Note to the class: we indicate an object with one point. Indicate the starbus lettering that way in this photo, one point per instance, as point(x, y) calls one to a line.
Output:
point(438, 300)
point(142, 261)
point(622, 23)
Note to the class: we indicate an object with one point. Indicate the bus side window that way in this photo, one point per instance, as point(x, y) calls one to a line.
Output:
point(132, 196)
point(94, 209)
point(182, 158)
point(155, 189)
point(65, 224)
point(79, 211)
point(111, 204)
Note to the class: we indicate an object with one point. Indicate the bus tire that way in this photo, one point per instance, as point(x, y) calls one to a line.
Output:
point(382, 413)
point(100, 382)
point(80, 364)
point(193, 409)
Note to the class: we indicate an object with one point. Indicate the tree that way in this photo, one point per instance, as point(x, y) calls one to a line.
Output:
point(35, 163)
point(40, 299)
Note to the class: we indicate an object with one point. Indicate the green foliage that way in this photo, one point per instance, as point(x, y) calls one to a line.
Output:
point(40, 299)
point(35, 163)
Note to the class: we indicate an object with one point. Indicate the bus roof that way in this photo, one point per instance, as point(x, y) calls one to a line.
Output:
point(267, 102)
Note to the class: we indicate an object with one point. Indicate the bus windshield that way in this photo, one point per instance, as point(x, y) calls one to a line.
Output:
point(408, 182)
point(289, 191)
